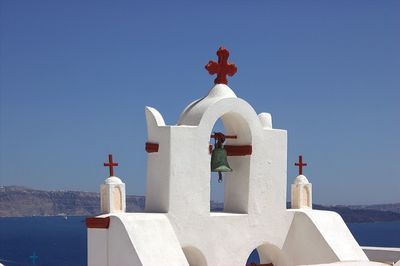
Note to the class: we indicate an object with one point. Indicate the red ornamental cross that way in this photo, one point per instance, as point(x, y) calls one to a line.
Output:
point(111, 164)
point(300, 164)
point(222, 68)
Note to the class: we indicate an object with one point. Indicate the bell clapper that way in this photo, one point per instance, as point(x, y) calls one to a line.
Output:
point(219, 140)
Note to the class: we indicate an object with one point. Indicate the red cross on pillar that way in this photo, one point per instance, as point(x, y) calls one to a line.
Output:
point(111, 164)
point(300, 164)
point(222, 68)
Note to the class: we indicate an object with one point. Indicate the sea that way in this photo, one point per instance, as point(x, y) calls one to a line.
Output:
point(62, 240)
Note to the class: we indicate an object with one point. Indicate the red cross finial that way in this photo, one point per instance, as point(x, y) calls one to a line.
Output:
point(111, 164)
point(222, 68)
point(300, 164)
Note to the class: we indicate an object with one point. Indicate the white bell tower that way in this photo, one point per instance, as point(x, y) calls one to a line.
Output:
point(112, 192)
point(301, 189)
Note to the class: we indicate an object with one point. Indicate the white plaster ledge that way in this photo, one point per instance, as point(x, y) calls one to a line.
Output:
point(349, 263)
point(219, 214)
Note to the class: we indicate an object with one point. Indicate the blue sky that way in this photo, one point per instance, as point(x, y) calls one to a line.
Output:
point(75, 77)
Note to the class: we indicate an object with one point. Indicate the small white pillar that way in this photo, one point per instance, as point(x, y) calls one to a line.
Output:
point(266, 120)
point(112, 195)
point(301, 193)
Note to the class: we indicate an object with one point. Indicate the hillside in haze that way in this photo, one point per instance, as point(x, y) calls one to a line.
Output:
point(21, 201)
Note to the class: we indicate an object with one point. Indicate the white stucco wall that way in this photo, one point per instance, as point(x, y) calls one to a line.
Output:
point(320, 237)
point(97, 247)
point(349, 263)
point(135, 239)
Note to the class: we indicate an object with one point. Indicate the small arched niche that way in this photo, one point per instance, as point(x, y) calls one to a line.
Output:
point(236, 183)
point(305, 200)
point(117, 199)
point(194, 256)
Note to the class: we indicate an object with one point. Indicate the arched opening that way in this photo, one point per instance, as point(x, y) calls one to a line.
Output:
point(254, 258)
point(194, 256)
point(271, 255)
point(235, 185)
point(216, 188)
point(117, 199)
point(267, 255)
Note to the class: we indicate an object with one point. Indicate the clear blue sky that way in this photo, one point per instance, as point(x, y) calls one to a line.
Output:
point(76, 75)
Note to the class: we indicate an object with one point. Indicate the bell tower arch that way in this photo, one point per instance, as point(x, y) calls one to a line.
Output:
point(236, 182)
point(240, 121)
point(178, 179)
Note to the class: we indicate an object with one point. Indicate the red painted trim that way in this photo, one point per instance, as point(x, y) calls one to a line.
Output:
point(226, 136)
point(152, 147)
point(95, 222)
point(238, 150)
point(235, 150)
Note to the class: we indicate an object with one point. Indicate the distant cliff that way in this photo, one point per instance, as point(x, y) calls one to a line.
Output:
point(20, 201)
point(351, 214)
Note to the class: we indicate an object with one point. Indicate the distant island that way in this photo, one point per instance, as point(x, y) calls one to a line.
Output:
point(18, 201)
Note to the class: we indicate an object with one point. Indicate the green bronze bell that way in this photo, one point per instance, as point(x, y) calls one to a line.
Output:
point(219, 158)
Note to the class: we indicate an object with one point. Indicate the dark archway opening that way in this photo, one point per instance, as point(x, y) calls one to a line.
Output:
point(216, 189)
point(254, 258)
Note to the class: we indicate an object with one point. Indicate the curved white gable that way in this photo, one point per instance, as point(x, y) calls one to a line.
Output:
point(193, 113)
